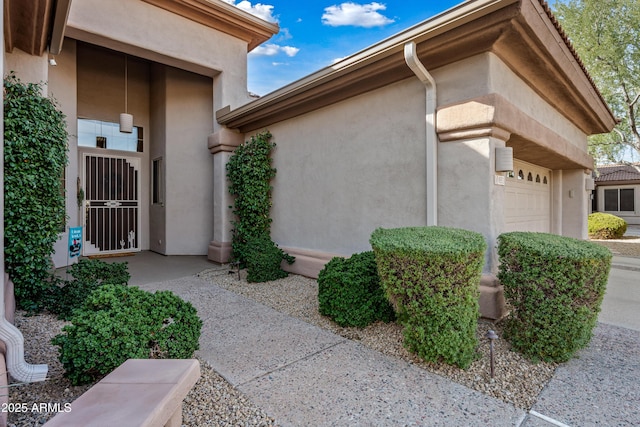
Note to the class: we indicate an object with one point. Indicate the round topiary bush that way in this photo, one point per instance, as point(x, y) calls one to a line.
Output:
point(349, 291)
point(117, 323)
point(606, 226)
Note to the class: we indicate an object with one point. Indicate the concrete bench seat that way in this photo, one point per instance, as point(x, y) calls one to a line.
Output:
point(140, 392)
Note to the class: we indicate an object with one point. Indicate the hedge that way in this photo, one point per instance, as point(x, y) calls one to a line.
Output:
point(555, 286)
point(431, 277)
point(606, 226)
point(349, 291)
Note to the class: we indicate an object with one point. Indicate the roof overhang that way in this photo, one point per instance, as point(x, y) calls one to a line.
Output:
point(224, 17)
point(521, 32)
point(28, 24)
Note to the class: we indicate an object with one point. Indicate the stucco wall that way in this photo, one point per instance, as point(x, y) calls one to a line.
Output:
point(345, 170)
point(188, 164)
point(62, 87)
point(29, 69)
point(486, 73)
point(155, 34)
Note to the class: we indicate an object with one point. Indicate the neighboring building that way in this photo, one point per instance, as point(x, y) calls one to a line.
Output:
point(618, 191)
point(354, 150)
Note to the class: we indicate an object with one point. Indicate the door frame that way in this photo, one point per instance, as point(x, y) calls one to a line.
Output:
point(137, 159)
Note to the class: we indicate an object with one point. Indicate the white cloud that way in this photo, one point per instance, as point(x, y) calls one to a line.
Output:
point(290, 51)
point(358, 15)
point(263, 11)
point(274, 49)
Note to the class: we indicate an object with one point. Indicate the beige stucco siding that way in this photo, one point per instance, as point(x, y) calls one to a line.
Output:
point(188, 165)
point(505, 82)
point(152, 33)
point(484, 74)
point(342, 171)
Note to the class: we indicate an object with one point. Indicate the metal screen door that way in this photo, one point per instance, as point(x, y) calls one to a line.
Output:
point(112, 214)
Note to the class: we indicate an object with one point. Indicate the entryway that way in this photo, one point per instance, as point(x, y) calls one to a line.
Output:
point(111, 218)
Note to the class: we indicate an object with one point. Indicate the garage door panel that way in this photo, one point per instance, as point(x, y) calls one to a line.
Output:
point(528, 199)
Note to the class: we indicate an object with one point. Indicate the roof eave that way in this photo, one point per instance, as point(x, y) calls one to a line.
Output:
point(224, 17)
point(473, 27)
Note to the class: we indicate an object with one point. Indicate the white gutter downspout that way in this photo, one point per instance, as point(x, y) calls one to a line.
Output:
point(411, 58)
point(12, 337)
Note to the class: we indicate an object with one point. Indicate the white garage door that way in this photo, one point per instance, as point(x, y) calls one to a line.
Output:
point(528, 198)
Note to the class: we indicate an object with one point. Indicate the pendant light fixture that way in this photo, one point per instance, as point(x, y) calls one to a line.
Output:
point(126, 119)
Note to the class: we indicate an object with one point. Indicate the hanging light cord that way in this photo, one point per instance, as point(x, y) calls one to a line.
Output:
point(125, 85)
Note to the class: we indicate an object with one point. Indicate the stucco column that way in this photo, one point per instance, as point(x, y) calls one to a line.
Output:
point(575, 203)
point(221, 145)
point(472, 196)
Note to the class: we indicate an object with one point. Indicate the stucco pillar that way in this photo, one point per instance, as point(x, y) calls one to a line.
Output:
point(221, 145)
point(575, 203)
point(471, 196)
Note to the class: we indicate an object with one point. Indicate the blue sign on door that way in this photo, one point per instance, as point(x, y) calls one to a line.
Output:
point(75, 241)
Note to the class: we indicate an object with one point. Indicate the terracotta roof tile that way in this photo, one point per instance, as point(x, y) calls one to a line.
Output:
point(618, 173)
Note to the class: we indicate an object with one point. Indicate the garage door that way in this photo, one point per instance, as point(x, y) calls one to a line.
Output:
point(528, 198)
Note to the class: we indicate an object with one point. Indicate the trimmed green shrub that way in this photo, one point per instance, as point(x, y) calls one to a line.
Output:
point(35, 154)
point(431, 277)
point(606, 226)
point(117, 323)
point(349, 291)
point(263, 259)
point(89, 274)
point(554, 286)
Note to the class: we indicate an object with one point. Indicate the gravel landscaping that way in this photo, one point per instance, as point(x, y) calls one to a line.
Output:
point(214, 402)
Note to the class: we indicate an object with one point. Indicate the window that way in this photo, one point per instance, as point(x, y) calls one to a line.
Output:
point(98, 134)
point(619, 200)
point(627, 199)
point(529, 177)
point(156, 182)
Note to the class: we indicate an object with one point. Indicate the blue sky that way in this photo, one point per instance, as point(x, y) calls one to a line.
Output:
point(315, 33)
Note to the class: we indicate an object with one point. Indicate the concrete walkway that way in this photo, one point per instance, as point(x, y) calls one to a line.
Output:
point(304, 375)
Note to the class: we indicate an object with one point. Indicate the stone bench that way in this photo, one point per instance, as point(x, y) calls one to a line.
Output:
point(140, 392)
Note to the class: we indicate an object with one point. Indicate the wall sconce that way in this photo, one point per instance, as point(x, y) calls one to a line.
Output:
point(589, 184)
point(504, 159)
point(126, 119)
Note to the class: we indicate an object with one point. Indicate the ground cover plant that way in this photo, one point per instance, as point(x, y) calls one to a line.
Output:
point(349, 291)
point(431, 275)
point(35, 155)
point(606, 226)
point(117, 323)
point(65, 296)
point(555, 286)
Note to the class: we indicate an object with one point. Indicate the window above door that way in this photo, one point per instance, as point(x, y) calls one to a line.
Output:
point(107, 135)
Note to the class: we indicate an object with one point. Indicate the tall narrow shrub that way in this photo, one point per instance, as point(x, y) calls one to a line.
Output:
point(431, 277)
point(555, 286)
point(35, 155)
point(250, 172)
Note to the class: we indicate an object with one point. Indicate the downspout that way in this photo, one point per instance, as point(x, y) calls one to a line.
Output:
point(12, 337)
point(431, 168)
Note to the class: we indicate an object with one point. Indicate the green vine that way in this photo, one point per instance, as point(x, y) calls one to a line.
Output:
point(250, 171)
point(35, 155)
